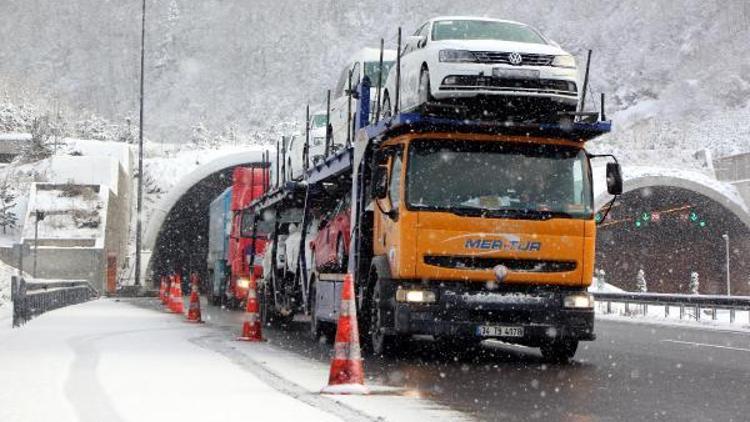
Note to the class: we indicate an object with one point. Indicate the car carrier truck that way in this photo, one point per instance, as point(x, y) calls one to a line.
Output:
point(460, 229)
point(230, 242)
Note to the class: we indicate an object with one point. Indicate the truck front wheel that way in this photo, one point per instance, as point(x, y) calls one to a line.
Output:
point(381, 343)
point(559, 351)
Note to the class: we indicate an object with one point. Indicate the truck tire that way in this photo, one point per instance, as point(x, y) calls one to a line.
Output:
point(559, 351)
point(378, 341)
point(263, 298)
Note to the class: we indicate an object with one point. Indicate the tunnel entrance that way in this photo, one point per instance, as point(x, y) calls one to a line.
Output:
point(182, 243)
point(670, 232)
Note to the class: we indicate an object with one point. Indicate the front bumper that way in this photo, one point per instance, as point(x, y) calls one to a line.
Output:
point(461, 308)
point(470, 80)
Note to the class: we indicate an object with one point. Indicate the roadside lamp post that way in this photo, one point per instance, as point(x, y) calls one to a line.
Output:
point(139, 203)
point(725, 236)
point(39, 217)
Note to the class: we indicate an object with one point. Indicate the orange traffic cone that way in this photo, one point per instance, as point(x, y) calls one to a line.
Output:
point(251, 328)
point(347, 373)
point(194, 310)
point(177, 306)
point(163, 290)
point(170, 293)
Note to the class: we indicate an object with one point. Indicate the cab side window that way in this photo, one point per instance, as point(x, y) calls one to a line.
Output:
point(394, 182)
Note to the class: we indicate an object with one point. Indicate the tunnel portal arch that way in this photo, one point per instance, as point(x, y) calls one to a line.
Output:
point(210, 178)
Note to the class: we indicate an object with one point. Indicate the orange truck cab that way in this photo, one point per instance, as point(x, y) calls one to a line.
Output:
point(480, 232)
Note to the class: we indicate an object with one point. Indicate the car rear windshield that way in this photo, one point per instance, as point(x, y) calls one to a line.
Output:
point(484, 30)
point(372, 68)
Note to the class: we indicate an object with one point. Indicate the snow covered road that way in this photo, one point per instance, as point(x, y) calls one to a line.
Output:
point(109, 361)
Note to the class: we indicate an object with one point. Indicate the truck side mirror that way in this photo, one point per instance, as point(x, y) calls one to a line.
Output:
point(380, 182)
point(614, 179)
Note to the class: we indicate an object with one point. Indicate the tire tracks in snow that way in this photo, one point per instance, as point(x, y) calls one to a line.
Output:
point(82, 387)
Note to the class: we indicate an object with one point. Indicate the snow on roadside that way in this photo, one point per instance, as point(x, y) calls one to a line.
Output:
point(6, 271)
point(107, 360)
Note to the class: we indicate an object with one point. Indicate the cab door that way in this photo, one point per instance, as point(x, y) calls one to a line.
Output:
point(387, 240)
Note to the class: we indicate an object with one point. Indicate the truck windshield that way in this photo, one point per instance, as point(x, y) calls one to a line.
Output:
point(484, 30)
point(499, 180)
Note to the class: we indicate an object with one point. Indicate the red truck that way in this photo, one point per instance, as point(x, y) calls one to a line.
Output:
point(232, 238)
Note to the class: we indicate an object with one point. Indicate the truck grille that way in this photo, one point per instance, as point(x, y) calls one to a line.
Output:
point(482, 263)
point(497, 57)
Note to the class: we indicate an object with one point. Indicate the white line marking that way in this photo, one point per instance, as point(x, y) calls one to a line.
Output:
point(717, 346)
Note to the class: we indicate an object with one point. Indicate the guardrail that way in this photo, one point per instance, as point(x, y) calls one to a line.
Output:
point(35, 298)
point(690, 306)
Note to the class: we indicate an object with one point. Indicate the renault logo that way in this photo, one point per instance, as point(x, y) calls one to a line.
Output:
point(515, 58)
point(501, 272)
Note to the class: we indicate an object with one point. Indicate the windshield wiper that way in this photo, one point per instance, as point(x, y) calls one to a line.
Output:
point(519, 213)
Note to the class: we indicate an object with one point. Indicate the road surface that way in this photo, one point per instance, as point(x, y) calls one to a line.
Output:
point(632, 371)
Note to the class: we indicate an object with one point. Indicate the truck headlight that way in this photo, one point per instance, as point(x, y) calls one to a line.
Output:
point(415, 296)
point(243, 283)
point(461, 56)
point(564, 61)
point(579, 301)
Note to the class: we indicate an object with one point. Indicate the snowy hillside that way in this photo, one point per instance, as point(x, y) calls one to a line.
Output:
point(228, 63)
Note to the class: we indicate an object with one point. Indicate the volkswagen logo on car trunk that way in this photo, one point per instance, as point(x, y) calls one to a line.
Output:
point(515, 58)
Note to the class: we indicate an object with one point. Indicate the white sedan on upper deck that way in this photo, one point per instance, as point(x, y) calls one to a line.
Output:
point(469, 57)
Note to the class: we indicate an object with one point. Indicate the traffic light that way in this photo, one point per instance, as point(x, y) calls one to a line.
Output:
point(697, 219)
point(643, 220)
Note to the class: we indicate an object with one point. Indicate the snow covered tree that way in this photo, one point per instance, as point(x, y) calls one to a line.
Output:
point(640, 281)
point(694, 283)
point(8, 218)
point(38, 148)
point(600, 279)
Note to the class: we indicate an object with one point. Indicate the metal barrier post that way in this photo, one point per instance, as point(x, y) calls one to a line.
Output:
point(609, 307)
point(697, 312)
point(731, 316)
point(682, 311)
point(666, 311)
point(713, 314)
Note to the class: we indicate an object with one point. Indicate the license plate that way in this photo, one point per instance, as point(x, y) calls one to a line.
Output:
point(499, 331)
point(500, 72)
